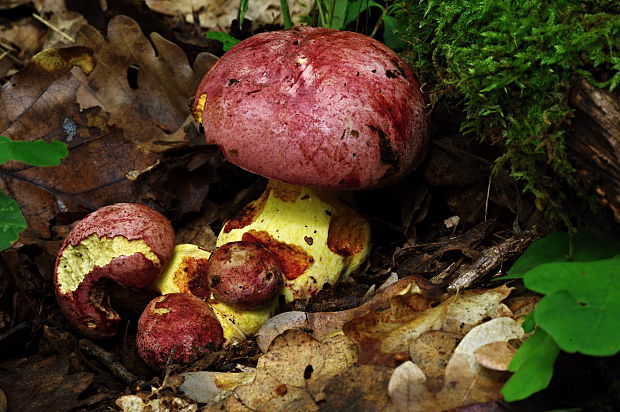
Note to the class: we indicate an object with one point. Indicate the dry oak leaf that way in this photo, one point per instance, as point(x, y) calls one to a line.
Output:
point(293, 375)
point(218, 14)
point(153, 111)
point(384, 337)
point(40, 102)
point(42, 384)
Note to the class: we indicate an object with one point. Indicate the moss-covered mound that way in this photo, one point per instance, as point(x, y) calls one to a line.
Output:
point(511, 64)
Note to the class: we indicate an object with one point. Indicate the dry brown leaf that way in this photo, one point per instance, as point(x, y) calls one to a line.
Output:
point(154, 112)
point(41, 102)
point(384, 336)
point(495, 355)
point(465, 381)
point(322, 325)
point(219, 14)
point(42, 384)
point(209, 387)
point(293, 374)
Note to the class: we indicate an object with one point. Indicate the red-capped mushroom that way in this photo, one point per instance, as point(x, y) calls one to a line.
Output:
point(177, 328)
point(245, 275)
point(125, 243)
point(315, 107)
point(320, 108)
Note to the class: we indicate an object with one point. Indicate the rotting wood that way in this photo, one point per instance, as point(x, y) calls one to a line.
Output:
point(594, 142)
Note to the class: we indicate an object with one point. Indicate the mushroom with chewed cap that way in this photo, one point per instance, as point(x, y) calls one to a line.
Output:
point(318, 108)
point(125, 243)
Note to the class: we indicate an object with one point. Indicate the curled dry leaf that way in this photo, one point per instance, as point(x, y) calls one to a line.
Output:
point(383, 335)
point(110, 132)
point(325, 324)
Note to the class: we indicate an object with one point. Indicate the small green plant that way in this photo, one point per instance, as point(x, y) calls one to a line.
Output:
point(226, 39)
point(36, 153)
point(333, 14)
point(578, 313)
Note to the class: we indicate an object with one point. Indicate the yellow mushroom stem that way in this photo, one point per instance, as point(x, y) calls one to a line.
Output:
point(317, 237)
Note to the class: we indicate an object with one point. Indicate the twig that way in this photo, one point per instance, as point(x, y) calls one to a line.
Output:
point(107, 359)
point(9, 50)
point(51, 26)
point(491, 258)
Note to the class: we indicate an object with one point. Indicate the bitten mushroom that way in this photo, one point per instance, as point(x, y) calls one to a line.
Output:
point(177, 328)
point(318, 108)
point(125, 243)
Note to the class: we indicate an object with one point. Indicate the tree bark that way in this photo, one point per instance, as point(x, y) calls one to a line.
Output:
point(594, 142)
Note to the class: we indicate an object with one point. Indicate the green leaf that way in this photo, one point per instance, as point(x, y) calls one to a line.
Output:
point(12, 221)
point(37, 153)
point(357, 7)
point(555, 248)
point(582, 306)
point(391, 35)
point(227, 40)
point(339, 14)
point(243, 8)
point(533, 367)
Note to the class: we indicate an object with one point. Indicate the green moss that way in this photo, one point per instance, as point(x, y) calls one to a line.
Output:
point(511, 64)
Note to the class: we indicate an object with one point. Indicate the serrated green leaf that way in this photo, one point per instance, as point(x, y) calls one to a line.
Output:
point(533, 367)
point(227, 40)
point(37, 153)
point(12, 221)
point(582, 306)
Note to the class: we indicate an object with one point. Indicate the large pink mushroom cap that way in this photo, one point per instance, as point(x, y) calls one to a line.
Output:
point(315, 107)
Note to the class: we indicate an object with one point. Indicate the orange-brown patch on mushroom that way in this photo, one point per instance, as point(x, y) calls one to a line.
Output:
point(248, 214)
point(294, 260)
point(198, 284)
point(347, 235)
point(286, 193)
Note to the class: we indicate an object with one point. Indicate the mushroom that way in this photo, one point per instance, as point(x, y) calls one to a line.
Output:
point(245, 275)
point(179, 328)
point(319, 110)
point(125, 243)
point(188, 272)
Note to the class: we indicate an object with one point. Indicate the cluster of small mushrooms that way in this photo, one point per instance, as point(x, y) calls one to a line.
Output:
point(318, 112)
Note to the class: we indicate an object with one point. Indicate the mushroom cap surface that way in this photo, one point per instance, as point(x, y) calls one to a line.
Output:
point(315, 107)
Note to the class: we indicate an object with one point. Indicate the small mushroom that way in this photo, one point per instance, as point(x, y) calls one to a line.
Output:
point(125, 243)
point(187, 273)
point(244, 275)
point(177, 328)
